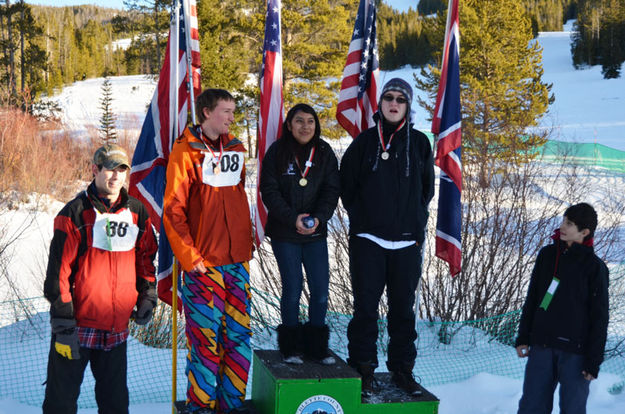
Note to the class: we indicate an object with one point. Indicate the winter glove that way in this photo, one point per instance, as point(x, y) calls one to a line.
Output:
point(145, 307)
point(65, 337)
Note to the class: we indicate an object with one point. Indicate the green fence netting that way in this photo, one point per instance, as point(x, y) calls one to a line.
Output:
point(448, 351)
point(576, 153)
point(587, 154)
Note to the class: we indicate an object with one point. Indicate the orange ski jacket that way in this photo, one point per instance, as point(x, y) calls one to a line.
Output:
point(205, 209)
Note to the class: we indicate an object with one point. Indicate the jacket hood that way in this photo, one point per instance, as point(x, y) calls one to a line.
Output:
point(556, 237)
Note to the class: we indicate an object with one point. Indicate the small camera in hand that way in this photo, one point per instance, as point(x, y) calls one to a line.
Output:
point(308, 222)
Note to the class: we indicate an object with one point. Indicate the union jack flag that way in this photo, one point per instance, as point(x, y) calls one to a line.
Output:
point(271, 102)
point(446, 123)
point(359, 87)
point(149, 162)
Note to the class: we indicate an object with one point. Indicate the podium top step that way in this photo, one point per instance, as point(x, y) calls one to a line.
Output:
point(387, 392)
point(308, 370)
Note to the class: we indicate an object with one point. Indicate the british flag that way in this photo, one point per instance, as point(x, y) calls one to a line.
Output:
point(446, 123)
point(271, 103)
point(359, 87)
point(149, 162)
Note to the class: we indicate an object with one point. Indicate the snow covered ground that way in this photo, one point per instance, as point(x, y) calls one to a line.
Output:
point(488, 392)
point(587, 109)
point(482, 394)
point(81, 103)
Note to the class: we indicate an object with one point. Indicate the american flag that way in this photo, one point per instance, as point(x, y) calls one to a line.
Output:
point(359, 88)
point(446, 123)
point(271, 102)
point(149, 162)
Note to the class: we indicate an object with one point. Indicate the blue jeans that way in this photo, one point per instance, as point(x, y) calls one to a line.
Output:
point(545, 368)
point(314, 257)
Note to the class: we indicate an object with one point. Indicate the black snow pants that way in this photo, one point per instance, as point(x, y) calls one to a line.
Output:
point(372, 268)
point(65, 377)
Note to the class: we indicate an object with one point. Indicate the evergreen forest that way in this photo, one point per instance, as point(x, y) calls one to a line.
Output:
point(44, 48)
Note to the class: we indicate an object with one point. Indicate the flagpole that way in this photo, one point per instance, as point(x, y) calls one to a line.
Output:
point(174, 277)
point(190, 80)
point(174, 344)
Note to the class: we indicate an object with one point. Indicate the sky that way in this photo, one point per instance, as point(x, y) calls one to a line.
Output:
point(397, 4)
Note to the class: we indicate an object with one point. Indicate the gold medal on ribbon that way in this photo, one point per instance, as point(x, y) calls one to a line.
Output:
point(216, 169)
point(385, 147)
point(303, 181)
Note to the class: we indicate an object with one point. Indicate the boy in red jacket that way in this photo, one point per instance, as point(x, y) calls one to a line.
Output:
point(100, 269)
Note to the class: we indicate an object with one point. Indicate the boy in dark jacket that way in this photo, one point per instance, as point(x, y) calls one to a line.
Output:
point(387, 182)
point(564, 322)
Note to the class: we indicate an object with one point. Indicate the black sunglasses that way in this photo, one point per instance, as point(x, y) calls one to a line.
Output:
point(391, 98)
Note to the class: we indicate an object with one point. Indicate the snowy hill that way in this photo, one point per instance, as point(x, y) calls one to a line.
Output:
point(588, 108)
point(80, 103)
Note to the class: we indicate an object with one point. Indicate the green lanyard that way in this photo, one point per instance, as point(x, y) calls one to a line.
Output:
point(108, 234)
point(549, 293)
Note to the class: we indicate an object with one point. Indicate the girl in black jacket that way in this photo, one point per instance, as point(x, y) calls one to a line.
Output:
point(299, 185)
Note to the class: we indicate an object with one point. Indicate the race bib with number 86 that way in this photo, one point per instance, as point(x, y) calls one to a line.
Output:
point(114, 232)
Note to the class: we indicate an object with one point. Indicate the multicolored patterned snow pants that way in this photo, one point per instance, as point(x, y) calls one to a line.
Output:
point(216, 307)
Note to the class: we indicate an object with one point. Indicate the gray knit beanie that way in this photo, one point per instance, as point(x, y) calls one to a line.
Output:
point(398, 85)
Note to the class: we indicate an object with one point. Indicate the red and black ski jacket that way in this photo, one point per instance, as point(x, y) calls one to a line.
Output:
point(96, 286)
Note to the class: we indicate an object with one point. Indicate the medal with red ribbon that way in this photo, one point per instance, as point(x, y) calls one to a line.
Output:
point(304, 181)
point(217, 163)
point(385, 147)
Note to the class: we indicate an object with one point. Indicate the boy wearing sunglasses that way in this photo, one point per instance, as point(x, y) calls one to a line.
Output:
point(387, 182)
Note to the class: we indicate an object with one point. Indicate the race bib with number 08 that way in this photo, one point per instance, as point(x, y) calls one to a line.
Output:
point(228, 171)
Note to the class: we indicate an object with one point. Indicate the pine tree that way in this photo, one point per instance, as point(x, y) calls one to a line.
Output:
point(9, 46)
point(547, 15)
point(315, 39)
point(107, 119)
point(599, 36)
point(33, 57)
point(402, 39)
point(427, 7)
point(150, 18)
point(502, 92)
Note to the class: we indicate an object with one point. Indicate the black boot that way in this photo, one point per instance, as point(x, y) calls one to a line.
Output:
point(404, 379)
point(366, 370)
point(316, 344)
point(289, 343)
